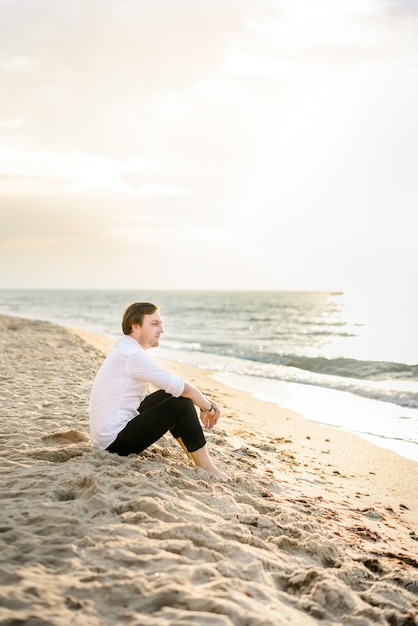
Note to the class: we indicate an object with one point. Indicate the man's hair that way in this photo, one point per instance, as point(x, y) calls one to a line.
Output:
point(134, 314)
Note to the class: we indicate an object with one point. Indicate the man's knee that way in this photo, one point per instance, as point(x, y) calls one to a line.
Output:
point(184, 402)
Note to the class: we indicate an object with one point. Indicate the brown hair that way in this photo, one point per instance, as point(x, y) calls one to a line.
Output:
point(134, 314)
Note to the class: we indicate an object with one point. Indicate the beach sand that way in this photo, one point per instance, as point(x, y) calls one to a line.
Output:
point(315, 525)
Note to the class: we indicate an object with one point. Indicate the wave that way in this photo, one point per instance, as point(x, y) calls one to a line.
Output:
point(337, 366)
point(401, 393)
point(353, 368)
point(375, 390)
point(396, 383)
point(345, 366)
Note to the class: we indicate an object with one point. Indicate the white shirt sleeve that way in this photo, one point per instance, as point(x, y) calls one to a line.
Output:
point(143, 368)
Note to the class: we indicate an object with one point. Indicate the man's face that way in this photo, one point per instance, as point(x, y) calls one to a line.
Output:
point(148, 335)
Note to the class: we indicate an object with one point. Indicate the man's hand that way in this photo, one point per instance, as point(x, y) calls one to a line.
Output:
point(209, 419)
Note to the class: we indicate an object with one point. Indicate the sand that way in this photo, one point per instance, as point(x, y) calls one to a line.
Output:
point(315, 525)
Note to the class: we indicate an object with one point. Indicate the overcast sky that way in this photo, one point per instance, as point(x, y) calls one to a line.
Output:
point(212, 144)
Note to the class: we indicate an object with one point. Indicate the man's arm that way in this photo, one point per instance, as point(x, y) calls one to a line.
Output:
point(197, 397)
point(209, 412)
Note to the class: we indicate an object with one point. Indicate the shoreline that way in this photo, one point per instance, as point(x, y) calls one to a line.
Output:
point(315, 526)
point(329, 449)
point(315, 403)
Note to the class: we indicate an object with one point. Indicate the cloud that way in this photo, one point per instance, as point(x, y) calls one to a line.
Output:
point(36, 171)
point(49, 217)
point(220, 135)
point(106, 63)
point(10, 124)
point(409, 6)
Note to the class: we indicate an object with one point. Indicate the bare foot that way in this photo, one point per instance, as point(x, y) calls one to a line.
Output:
point(202, 459)
point(217, 472)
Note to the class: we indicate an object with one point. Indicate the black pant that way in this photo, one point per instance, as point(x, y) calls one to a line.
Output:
point(158, 413)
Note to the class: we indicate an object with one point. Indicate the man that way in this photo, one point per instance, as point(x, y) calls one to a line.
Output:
point(124, 419)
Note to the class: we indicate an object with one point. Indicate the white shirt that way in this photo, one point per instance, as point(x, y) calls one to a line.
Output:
point(120, 386)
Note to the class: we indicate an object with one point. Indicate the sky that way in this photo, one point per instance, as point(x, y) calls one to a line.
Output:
point(209, 144)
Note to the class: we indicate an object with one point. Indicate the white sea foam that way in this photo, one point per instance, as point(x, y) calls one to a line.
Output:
point(380, 422)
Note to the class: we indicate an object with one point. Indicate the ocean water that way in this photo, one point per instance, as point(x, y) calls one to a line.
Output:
point(336, 359)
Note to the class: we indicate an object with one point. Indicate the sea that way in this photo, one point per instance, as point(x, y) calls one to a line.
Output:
point(334, 357)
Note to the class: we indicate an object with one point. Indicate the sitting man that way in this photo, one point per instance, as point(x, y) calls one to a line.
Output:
point(124, 419)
